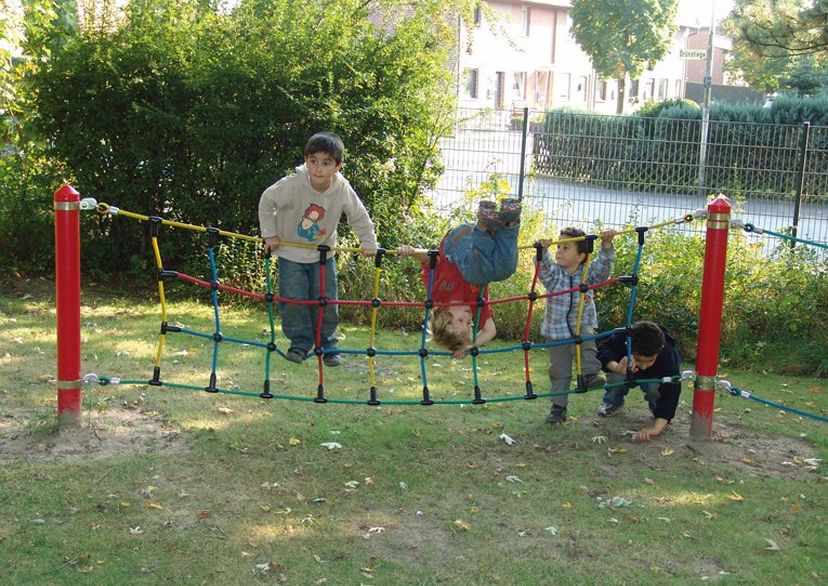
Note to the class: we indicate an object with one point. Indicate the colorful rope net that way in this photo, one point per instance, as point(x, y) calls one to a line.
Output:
point(375, 303)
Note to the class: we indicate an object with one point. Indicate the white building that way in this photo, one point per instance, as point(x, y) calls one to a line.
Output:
point(528, 58)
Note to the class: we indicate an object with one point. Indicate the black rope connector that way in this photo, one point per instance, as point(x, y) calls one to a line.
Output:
point(628, 279)
point(432, 259)
point(478, 400)
point(526, 345)
point(376, 302)
point(155, 224)
point(323, 301)
point(212, 236)
point(318, 351)
point(373, 397)
point(269, 297)
point(323, 249)
point(481, 302)
point(271, 347)
point(155, 381)
point(371, 352)
point(532, 296)
point(689, 218)
point(583, 287)
point(214, 285)
point(164, 274)
point(429, 304)
point(530, 391)
point(641, 230)
point(211, 388)
point(165, 327)
point(474, 351)
point(423, 352)
point(426, 397)
point(626, 330)
point(582, 385)
point(590, 242)
point(577, 340)
point(749, 227)
point(320, 395)
point(378, 257)
point(266, 394)
point(217, 337)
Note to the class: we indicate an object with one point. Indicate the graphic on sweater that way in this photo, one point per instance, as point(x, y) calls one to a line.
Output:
point(308, 227)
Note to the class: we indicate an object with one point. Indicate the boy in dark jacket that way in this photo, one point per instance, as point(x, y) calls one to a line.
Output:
point(654, 356)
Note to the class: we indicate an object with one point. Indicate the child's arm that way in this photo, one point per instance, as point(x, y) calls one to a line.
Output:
point(648, 433)
point(406, 250)
point(486, 333)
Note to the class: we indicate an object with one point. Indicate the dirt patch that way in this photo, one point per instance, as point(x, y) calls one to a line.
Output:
point(113, 432)
point(732, 445)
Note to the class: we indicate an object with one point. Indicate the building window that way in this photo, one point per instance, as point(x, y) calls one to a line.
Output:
point(678, 88)
point(525, 15)
point(632, 93)
point(478, 16)
point(470, 77)
point(662, 89)
point(562, 85)
point(581, 88)
point(519, 85)
point(601, 91)
point(649, 89)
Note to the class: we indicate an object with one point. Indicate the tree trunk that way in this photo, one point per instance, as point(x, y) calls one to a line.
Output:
point(622, 93)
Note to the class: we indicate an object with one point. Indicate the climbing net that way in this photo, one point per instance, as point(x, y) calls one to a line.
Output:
point(374, 303)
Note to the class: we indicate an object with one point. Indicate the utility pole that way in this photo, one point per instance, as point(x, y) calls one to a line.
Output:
point(708, 87)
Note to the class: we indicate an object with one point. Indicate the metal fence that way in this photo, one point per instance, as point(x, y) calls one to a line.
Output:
point(618, 170)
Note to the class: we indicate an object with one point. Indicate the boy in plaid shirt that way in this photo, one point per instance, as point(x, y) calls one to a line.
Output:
point(562, 272)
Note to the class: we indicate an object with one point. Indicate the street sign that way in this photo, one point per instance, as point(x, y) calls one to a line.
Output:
point(693, 53)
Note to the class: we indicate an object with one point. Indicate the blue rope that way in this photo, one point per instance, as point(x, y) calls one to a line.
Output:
point(736, 392)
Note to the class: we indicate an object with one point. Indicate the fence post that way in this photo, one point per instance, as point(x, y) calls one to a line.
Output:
point(800, 178)
point(67, 304)
point(710, 317)
point(523, 135)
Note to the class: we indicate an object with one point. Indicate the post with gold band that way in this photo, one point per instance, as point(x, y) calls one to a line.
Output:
point(710, 317)
point(67, 304)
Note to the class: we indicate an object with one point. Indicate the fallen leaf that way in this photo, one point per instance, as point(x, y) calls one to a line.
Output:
point(666, 452)
point(735, 496)
point(771, 545)
point(599, 439)
point(153, 505)
point(462, 525)
point(506, 439)
point(551, 530)
point(566, 505)
point(352, 484)
point(514, 479)
point(225, 410)
point(136, 530)
point(294, 441)
point(329, 445)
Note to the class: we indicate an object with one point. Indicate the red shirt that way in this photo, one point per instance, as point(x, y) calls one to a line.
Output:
point(449, 285)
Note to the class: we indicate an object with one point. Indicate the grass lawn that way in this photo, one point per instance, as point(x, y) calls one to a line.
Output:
point(164, 485)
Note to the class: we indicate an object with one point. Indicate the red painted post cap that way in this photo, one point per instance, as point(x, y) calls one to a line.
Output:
point(67, 193)
point(720, 205)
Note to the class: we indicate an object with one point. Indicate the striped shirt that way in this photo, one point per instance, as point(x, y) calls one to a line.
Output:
point(561, 315)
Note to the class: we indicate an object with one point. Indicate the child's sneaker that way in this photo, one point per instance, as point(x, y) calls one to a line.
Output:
point(332, 360)
point(488, 217)
point(510, 209)
point(595, 381)
point(296, 355)
point(607, 409)
point(557, 415)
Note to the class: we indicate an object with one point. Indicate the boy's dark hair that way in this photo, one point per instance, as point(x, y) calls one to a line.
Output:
point(325, 142)
point(570, 232)
point(647, 338)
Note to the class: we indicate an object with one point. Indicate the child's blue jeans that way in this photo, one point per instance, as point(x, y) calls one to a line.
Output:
point(480, 256)
point(299, 280)
point(615, 395)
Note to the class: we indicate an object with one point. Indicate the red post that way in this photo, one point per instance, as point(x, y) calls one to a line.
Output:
point(710, 317)
point(67, 301)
